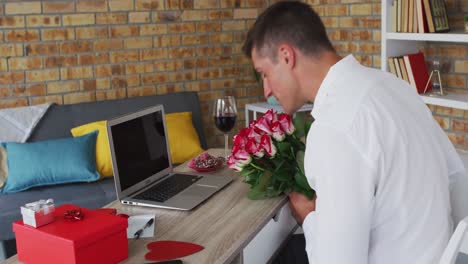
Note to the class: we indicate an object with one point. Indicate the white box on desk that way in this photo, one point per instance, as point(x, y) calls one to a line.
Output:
point(38, 218)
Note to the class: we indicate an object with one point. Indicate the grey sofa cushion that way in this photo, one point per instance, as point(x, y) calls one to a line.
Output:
point(57, 123)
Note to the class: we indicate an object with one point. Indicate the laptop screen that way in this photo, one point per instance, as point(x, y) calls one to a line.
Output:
point(140, 148)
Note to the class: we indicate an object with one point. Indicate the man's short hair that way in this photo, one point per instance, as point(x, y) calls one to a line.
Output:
point(291, 22)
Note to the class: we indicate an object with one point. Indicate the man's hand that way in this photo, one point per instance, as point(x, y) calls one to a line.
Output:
point(301, 206)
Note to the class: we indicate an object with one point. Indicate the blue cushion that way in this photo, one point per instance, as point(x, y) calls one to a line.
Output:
point(50, 162)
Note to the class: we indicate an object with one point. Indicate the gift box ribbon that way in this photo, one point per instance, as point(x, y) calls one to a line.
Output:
point(45, 205)
point(74, 215)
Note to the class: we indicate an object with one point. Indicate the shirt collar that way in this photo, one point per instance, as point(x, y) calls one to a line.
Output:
point(337, 70)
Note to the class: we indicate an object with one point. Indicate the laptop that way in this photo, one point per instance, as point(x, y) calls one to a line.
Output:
point(141, 160)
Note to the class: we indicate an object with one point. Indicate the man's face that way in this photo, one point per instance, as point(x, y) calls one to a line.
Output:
point(278, 80)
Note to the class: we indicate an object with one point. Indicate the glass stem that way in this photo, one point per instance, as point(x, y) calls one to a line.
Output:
point(226, 142)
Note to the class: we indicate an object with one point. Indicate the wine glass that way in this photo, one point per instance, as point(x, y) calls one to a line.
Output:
point(224, 114)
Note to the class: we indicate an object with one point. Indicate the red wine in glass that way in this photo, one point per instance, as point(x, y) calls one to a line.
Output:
point(225, 123)
point(224, 114)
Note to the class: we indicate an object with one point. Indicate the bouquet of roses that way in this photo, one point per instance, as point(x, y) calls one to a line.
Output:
point(269, 154)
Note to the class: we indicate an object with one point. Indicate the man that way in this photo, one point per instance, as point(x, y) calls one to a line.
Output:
point(379, 163)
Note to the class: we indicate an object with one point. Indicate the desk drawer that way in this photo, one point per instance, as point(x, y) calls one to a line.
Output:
point(270, 238)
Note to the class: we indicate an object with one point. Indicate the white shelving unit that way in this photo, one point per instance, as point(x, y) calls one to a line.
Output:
point(397, 44)
point(436, 37)
point(453, 100)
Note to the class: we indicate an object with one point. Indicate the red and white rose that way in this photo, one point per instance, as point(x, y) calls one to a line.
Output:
point(257, 140)
point(270, 156)
point(286, 123)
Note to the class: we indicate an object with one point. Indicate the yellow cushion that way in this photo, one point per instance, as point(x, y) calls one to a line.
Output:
point(103, 157)
point(183, 138)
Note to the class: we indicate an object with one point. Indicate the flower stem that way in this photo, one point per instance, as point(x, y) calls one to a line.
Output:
point(257, 167)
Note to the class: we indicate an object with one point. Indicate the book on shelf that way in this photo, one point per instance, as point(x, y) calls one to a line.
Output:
point(391, 66)
point(404, 73)
point(410, 15)
point(404, 16)
point(399, 15)
point(428, 13)
point(418, 74)
point(436, 14)
point(421, 17)
point(439, 16)
point(397, 68)
point(410, 72)
point(412, 69)
point(395, 16)
point(415, 17)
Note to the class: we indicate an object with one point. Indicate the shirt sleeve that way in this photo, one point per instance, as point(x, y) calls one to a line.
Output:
point(458, 179)
point(338, 231)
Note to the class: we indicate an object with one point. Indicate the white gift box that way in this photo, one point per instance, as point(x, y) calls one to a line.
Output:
point(38, 213)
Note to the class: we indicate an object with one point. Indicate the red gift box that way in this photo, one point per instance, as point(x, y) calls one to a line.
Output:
point(97, 238)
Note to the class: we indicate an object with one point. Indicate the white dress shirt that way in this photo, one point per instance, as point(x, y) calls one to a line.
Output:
point(381, 167)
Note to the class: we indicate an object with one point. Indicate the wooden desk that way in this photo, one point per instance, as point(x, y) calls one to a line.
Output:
point(225, 224)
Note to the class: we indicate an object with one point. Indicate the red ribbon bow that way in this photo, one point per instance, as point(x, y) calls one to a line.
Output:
point(74, 215)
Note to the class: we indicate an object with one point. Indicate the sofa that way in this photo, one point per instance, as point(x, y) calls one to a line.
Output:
point(56, 123)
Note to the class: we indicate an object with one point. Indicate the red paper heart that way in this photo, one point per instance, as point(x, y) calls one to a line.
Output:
point(166, 250)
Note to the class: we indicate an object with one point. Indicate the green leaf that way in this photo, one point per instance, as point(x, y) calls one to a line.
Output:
point(300, 160)
point(307, 192)
point(299, 124)
point(277, 162)
point(247, 171)
point(254, 194)
point(284, 172)
point(259, 191)
point(282, 176)
point(283, 186)
point(301, 180)
point(283, 147)
point(271, 192)
point(264, 180)
point(250, 180)
point(307, 128)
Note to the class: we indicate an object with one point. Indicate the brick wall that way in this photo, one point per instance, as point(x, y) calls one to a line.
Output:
point(74, 51)
point(80, 51)
point(353, 27)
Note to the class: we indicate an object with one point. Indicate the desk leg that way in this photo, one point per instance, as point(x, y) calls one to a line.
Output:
point(238, 259)
point(3, 253)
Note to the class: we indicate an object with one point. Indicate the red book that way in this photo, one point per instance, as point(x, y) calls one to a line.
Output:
point(417, 71)
point(422, 19)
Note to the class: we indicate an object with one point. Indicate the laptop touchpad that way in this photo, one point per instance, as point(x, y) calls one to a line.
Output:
point(198, 191)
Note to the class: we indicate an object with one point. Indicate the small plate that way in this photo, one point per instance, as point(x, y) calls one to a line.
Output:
point(218, 164)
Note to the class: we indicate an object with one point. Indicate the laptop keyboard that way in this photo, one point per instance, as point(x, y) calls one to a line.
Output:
point(168, 188)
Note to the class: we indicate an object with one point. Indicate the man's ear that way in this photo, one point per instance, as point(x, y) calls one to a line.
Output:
point(287, 54)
